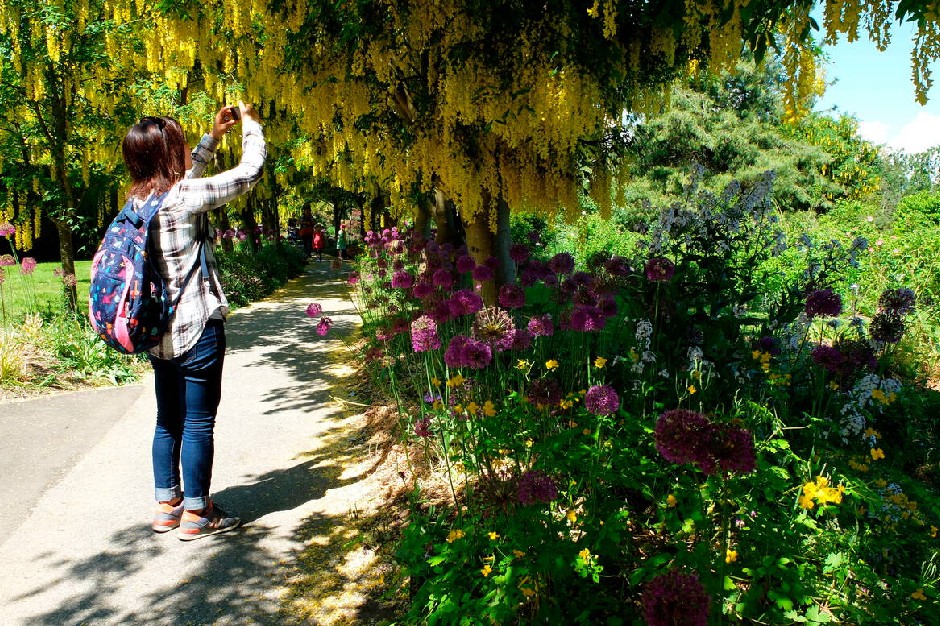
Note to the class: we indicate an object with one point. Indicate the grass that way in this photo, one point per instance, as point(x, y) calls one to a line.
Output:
point(40, 291)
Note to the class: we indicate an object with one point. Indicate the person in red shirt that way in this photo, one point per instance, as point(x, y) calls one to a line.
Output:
point(319, 239)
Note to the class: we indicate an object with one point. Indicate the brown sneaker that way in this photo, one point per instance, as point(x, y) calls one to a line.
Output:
point(212, 521)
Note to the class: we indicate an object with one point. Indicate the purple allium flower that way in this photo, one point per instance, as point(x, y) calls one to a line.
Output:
point(735, 451)
point(314, 309)
point(421, 291)
point(476, 354)
point(529, 275)
point(587, 319)
point(382, 274)
point(823, 303)
point(27, 265)
point(440, 312)
point(465, 302)
point(483, 273)
point(828, 357)
point(541, 326)
point(402, 280)
point(511, 296)
point(886, 327)
point(7, 260)
point(617, 266)
point(398, 265)
point(858, 355)
point(323, 326)
point(424, 334)
point(536, 487)
point(544, 391)
point(561, 263)
point(382, 264)
point(675, 598)
point(353, 278)
point(768, 344)
point(400, 325)
point(897, 301)
point(7, 229)
point(684, 436)
point(465, 264)
point(442, 278)
point(601, 400)
point(228, 234)
point(423, 427)
point(494, 327)
point(521, 340)
point(659, 270)
point(519, 253)
point(453, 355)
point(607, 305)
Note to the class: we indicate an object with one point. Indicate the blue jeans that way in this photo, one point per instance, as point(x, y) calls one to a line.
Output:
point(188, 389)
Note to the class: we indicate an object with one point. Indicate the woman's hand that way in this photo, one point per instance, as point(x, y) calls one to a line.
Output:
point(248, 111)
point(223, 122)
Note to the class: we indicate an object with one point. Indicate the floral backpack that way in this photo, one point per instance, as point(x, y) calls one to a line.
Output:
point(128, 304)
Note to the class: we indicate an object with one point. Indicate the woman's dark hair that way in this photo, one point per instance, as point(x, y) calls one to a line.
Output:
point(155, 155)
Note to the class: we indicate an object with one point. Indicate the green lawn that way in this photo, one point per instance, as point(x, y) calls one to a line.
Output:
point(40, 291)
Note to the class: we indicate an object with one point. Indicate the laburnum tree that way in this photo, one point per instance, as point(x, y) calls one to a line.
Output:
point(499, 105)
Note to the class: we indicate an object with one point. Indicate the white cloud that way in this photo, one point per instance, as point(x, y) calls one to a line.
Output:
point(921, 133)
point(875, 132)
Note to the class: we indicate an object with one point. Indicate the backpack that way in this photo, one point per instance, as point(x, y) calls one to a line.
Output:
point(128, 304)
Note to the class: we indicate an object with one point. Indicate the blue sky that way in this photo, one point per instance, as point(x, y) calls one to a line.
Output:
point(876, 88)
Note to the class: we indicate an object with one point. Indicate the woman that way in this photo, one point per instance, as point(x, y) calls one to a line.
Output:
point(341, 242)
point(187, 363)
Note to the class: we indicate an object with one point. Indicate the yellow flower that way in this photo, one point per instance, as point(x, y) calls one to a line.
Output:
point(933, 531)
point(755, 354)
point(877, 453)
point(572, 424)
point(692, 389)
point(878, 394)
point(871, 432)
point(731, 556)
point(522, 364)
point(634, 355)
point(600, 362)
point(489, 409)
point(518, 554)
point(806, 502)
point(671, 500)
point(565, 404)
point(456, 381)
point(572, 516)
point(486, 570)
point(455, 534)
point(528, 443)
point(436, 382)
point(472, 408)
point(586, 431)
point(438, 405)
point(458, 408)
point(919, 594)
point(551, 364)
point(527, 592)
point(585, 555)
point(493, 535)
point(834, 386)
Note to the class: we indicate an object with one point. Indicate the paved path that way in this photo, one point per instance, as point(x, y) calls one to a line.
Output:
point(77, 548)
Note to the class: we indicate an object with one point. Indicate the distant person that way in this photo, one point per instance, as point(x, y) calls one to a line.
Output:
point(341, 243)
point(187, 364)
point(306, 230)
point(319, 239)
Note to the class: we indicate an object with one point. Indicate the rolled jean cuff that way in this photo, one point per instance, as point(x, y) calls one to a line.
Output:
point(166, 495)
point(195, 503)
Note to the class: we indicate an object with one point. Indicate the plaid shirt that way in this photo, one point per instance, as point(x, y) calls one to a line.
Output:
point(179, 226)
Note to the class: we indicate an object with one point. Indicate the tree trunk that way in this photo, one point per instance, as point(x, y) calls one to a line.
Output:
point(506, 267)
point(422, 229)
point(249, 224)
point(480, 242)
point(67, 255)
